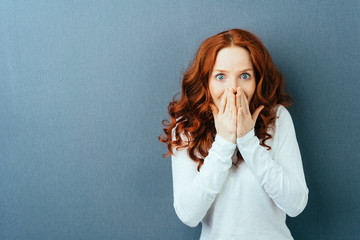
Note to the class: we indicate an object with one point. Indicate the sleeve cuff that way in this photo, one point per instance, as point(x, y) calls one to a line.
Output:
point(223, 148)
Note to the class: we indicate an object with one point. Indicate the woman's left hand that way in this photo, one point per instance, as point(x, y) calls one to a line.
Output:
point(245, 122)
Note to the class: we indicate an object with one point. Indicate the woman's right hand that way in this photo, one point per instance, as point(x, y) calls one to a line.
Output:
point(225, 116)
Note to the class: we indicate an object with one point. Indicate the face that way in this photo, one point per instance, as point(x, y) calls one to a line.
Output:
point(233, 68)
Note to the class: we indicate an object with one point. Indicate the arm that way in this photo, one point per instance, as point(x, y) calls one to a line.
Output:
point(283, 177)
point(194, 191)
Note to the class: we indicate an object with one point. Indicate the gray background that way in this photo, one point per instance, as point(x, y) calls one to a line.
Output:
point(85, 85)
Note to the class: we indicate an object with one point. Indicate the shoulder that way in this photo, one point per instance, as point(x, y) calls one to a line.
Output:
point(282, 114)
point(283, 122)
point(280, 109)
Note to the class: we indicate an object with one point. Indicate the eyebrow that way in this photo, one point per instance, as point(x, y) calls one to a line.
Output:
point(244, 70)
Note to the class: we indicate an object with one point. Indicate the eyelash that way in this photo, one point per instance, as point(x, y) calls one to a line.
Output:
point(249, 76)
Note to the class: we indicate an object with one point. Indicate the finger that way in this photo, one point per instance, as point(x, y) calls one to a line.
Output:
point(246, 105)
point(223, 101)
point(243, 103)
point(232, 99)
point(233, 116)
point(228, 102)
point(256, 113)
point(240, 117)
point(214, 110)
point(238, 97)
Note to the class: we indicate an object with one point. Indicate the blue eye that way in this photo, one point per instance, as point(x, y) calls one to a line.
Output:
point(220, 77)
point(245, 76)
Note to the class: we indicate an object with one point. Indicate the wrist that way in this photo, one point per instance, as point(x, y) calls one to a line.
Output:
point(230, 139)
point(246, 136)
point(241, 134)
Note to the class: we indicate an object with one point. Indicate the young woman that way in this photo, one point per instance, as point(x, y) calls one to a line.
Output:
point(236, 163)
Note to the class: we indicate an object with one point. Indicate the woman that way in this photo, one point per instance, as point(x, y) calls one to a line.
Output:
point(235, 159)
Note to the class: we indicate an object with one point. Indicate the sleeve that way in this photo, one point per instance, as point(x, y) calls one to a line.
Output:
point(282, 177)
point(194, 192)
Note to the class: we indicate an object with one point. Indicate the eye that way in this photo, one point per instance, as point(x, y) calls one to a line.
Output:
point(245, 76)
point(220, 76)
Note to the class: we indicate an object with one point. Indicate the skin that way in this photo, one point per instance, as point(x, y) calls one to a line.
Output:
point(232, 85)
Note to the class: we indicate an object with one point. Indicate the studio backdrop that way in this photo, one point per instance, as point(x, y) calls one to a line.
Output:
point(85, 85)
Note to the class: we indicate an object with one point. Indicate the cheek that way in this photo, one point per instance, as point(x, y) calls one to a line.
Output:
point(214, 91)
point(250, 92)
point(216, 97)
point(249, 95)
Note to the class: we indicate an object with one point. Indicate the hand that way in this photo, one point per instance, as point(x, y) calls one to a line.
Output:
point(225, 116)
point(245, 122)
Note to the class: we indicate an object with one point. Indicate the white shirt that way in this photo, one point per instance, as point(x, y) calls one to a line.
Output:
point(249, 201)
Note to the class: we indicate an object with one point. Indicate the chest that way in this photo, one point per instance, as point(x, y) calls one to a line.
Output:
point(242, 181)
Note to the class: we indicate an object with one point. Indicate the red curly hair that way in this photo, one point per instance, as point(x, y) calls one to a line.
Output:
point(191, 115)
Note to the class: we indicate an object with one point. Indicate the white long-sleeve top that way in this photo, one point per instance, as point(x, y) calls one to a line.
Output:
point(249, 201)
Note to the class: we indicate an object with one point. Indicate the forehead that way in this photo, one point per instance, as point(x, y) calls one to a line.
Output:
point(233, 57)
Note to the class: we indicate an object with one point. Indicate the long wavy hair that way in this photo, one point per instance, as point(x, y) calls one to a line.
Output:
point(191, 115)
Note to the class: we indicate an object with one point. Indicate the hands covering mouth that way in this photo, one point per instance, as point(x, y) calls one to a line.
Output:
point(233, 118)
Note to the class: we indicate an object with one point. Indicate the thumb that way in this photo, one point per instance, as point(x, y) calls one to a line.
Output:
point(256, 113)
point(214, 110)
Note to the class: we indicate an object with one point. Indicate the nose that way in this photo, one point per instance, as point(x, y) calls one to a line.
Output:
point(233, 84)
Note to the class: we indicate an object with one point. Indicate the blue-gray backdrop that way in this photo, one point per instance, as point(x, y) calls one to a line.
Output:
point(85, 85)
